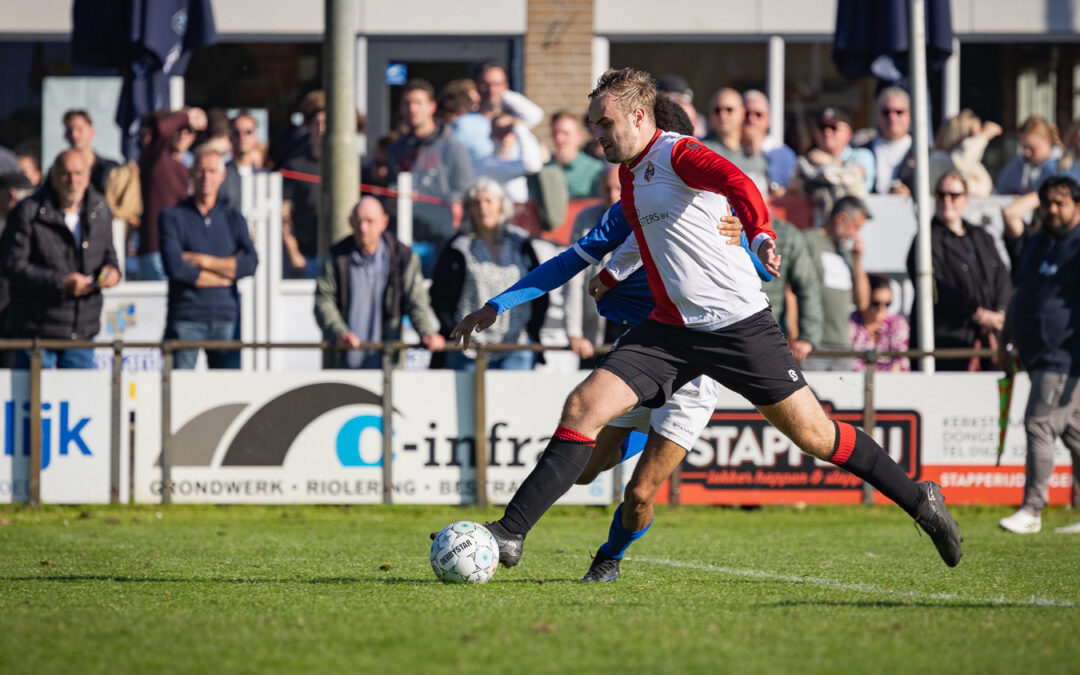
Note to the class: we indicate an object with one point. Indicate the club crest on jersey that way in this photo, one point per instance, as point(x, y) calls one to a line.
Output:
point(650, 171)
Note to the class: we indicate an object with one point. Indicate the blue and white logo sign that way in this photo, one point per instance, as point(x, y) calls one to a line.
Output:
point(396, 74)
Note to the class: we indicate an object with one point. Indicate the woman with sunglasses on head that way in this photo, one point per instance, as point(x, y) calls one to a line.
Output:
point(971, 283)
point(878, 329)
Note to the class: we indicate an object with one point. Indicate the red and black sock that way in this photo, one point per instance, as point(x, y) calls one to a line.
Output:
point(559, 466)
point(856, 452)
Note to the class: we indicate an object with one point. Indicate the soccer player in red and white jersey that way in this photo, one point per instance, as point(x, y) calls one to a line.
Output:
point(711, 318)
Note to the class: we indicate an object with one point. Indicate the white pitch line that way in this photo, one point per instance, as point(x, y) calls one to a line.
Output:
point(858, 587)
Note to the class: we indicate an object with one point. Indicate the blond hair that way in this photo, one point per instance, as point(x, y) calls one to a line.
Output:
point(956, 129)
point(1040, 126)
point(629, 89)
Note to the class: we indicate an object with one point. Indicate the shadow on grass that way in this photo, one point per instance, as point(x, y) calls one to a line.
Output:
point(944, 603)
point(76, 578)
point(534, 581)
point(404, 581)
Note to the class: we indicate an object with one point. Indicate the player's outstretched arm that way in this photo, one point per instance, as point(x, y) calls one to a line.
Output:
point(610, 231)
point(477, 321)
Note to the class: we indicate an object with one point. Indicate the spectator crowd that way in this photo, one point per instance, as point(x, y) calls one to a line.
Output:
point(487, 188)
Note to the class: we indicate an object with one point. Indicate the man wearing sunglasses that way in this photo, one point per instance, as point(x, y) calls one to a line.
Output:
point(779, 158)
point(833, 169)
point(726, 115)
point(892, 147)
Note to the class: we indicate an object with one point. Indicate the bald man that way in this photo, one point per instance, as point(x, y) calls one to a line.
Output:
point(726, 115)
point(366, 285)
point(58, 255)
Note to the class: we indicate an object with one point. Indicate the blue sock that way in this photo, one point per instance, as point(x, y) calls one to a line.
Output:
point(619, 538)
point(632, 445)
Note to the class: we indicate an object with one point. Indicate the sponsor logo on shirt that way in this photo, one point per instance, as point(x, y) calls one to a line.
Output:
point(650, 218)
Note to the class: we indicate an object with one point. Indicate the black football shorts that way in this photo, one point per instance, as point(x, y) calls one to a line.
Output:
point(750, 357)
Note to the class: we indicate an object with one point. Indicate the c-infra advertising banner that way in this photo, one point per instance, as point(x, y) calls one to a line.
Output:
point(317, 437)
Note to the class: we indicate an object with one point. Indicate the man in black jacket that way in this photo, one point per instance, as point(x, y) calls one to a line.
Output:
point(57, 254)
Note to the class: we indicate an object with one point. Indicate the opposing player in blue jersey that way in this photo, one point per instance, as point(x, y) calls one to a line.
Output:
point(672, 429)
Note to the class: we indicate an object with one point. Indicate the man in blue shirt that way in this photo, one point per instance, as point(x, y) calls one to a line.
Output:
point(205, 248)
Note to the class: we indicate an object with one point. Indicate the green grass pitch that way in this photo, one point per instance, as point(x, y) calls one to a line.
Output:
point(719, 590)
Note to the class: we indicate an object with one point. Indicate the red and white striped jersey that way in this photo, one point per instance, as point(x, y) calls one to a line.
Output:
point(674, 194)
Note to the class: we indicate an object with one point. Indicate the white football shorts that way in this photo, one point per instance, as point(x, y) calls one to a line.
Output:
point(682, 418)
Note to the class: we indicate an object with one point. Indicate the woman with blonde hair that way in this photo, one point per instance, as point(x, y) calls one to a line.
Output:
point(1041, 148)
point(959, 146)
point(487, 256)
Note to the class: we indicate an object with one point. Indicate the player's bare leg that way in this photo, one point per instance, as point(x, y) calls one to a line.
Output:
point(801, 418)
point(658, 461)
point(602, 397)
point(635, 515)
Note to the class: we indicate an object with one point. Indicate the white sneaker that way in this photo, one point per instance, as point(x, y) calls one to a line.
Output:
point(1022, 522)
point(1069, 529)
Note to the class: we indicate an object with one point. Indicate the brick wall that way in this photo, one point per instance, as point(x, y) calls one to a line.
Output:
point(558, 56)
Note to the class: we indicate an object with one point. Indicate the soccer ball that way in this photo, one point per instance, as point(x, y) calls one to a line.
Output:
point(464, 553)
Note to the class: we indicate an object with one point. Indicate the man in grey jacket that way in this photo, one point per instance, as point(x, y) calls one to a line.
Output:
point(439, 163)
point(367, 284)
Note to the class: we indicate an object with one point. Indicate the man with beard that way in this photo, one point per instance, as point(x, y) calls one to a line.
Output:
point(1042, 324)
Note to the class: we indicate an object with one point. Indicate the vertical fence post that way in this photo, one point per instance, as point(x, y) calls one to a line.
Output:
point(480, 403)
point(166, 421)
point(35, 425)
point(116, 417)
point(869, 415)
point(617, 484)
point(387, 422)
point(675, 486)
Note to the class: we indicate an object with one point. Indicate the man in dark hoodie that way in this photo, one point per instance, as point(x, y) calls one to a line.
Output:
point(439, 164)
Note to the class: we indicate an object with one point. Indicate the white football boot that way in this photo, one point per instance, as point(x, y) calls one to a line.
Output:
point(1069, 529)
